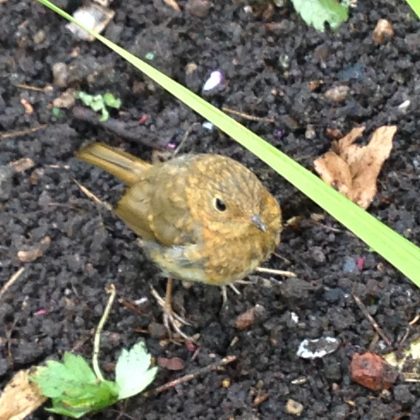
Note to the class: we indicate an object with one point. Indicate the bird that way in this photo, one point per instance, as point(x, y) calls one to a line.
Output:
point(202, 218)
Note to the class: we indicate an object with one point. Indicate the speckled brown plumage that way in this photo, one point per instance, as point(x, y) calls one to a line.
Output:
point(203, 218)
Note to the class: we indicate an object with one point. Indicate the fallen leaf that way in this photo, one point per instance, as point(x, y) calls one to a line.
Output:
point(407, 361)
point(372, 371)
point(20, 397)
point(353, 169)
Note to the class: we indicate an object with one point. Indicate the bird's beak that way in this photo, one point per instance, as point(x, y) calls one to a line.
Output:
point(256, 220)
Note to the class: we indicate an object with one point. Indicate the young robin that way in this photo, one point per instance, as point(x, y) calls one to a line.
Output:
point(204, 218)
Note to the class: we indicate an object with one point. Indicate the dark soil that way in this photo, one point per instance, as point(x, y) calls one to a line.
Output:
point(268, 61)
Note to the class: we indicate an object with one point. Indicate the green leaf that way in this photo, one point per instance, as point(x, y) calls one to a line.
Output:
point(97, 103)
point(85, 98)
point(133, 372)
point(73, 387)
point(399, 251)
point(111, 101)
point(317, 12)
point(415, 5)
point(56, 112)
point(104, 115)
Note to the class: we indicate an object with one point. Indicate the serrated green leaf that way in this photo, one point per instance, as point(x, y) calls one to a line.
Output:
point(73, 386)
point(318, 12)
point(79, 367)
point(133, 373)
point(78, 402)
point(111, 101)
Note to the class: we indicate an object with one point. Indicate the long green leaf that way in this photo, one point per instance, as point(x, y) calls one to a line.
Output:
point(400, 252)
point(415, 5)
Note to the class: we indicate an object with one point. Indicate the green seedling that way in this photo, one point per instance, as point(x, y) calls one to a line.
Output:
point(100, 103)
point(318, 12)
point(77, 389)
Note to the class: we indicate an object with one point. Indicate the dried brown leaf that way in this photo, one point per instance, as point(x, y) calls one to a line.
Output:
point(20, 397)
point(353, 169)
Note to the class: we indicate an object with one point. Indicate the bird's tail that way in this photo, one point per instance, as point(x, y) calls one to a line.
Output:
point(126, 167)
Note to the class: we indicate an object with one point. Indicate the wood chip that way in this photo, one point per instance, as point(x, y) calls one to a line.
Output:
point(20, 397)
point(34, 252)
point(22, 165)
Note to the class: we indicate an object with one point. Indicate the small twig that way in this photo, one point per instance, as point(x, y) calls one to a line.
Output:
point(275, 272)
point(171, 384)
point(173, 4)
point(414, 320)
point(97, 339)
point(130, 131)
point(375, 325)
point(10, 282)
point(248, 116)
point(44, 89)
point(24, 132)
point(184, 139)
point(92, 196)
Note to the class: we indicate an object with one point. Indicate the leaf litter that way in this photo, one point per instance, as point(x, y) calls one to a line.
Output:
point(353, 169)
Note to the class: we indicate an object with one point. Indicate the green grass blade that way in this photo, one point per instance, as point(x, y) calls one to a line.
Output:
point(415, 5)
point(400, 252)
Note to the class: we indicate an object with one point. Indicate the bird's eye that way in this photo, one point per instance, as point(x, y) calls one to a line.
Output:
point(219, 204)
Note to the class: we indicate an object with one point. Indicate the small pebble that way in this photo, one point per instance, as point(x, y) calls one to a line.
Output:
point(60, 74)
point(372, 371)
point(247, 318)
point(404, 105)
point(190, 68)
point(412, 42)
point(39, 37)
point(293, 407)
point(350, 265)
point(6, 174)
point(22, 165)
point(337, 93)
point(383, 31)
point(215, 80)
point(33, 253)
point(172, 363)
point(310, 133)
point(198, 8)
point(317, 348)
point(157, 330)
point(94, 17)
point(66, 100)
point(208, 126)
